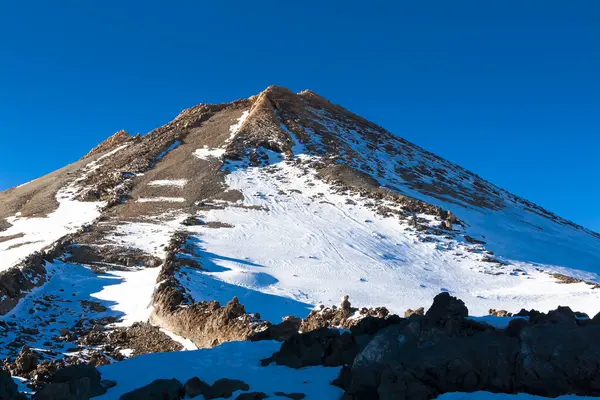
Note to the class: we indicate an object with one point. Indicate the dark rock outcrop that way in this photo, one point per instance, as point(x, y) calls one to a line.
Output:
point(222, 388)
point(446, 352)
point(207, 324)
point(252, 396)
point(160, 389)
point(8, 388)
point(79, 382)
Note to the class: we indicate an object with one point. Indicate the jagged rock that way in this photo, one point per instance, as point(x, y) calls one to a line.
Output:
point(473, 241)
point(78, 382)
point(206, 324)
point(344, 316)
point(320, 347)
point(222, 388)
point(225, 388)
point(422, 358)
point(252, 396)
point(499, 313)
point(192, 221)
point(160, 389)
point(196, 387)
point(26, 361)
point(445, 307)
point(280, 332)
point(418, 311)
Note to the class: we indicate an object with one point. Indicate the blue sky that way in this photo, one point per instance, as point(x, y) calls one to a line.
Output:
point(509, 90)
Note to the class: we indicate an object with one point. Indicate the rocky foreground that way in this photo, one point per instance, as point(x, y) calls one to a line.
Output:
point(384, 356)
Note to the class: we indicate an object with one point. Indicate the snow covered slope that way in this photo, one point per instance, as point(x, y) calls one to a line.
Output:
point(287, 202)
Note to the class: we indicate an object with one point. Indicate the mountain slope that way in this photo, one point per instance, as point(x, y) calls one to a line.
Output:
point(272, 205)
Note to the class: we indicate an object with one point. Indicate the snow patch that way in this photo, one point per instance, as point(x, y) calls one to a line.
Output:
point(40, 232)
point(169, 182)
point(205, 153)
point(132, 296)
point(234, 129)
point(161, 200)
point(186, 343)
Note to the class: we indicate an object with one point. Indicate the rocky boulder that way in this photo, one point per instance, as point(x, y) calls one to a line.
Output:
point(423, 357)
point(160, 389)
point(222, 388)
point(77, 382)
point(8, 388)
point(446, 307)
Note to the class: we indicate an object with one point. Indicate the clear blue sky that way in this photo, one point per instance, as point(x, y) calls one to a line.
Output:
point(507, 89)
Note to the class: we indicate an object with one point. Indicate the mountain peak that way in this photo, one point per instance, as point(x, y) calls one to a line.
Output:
point(113, 141)
point(219, 224)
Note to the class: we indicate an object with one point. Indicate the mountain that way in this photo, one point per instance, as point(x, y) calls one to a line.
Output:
point(232, 218)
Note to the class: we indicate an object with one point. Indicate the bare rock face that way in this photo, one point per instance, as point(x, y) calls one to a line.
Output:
point(115, 140)
point(206, 324)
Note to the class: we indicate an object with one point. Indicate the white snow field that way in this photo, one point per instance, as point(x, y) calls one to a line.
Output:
point(515, 229)
point(206, 152)
point(125, 294)
point(307, 247)
point(38, 233)
point(161, 200)
point(169, 182)
point(235, 360)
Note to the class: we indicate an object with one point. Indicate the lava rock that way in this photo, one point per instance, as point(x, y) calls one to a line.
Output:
point(225, 388)
point(252, 396)
point(445, 307)
point(196, 387)
point(160, 389)
point(76, 382)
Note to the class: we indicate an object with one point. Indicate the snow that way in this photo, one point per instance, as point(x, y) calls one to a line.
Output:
point(514, 231)
point(283, 250)
point(205, 153)
point(40, 232)
point(234, 129)
point(132, 296)
point(150, 237)
point(186, 343)
point(125, 294)
point(171, 147)
point(169, 182)
point(161, 200)
point(236, 360)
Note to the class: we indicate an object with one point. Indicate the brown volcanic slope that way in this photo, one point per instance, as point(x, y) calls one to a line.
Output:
point(436, 201)
point(344, 140)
